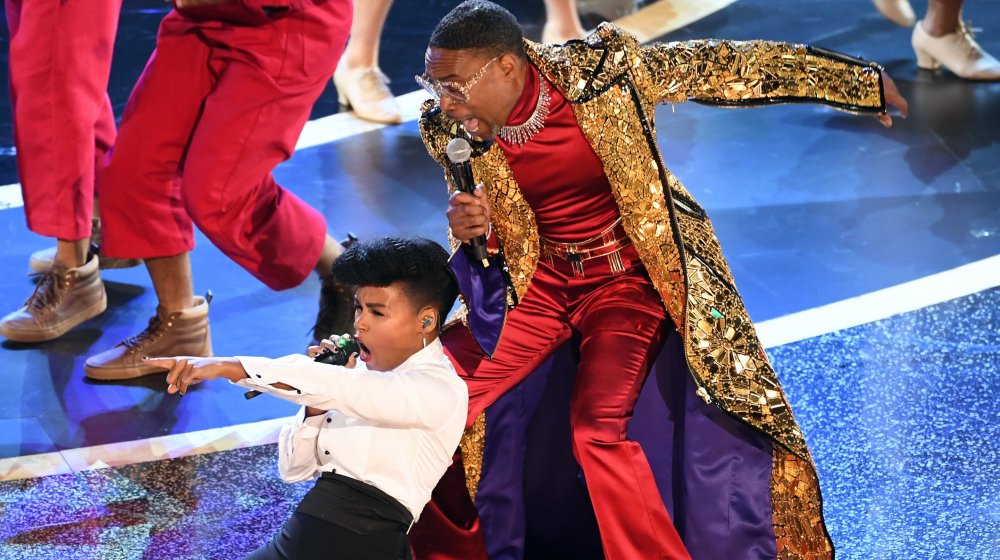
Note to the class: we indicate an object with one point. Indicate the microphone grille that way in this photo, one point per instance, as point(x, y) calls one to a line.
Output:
point(459, 150)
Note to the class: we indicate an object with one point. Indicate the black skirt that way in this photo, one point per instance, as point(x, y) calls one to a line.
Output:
point(342, 519)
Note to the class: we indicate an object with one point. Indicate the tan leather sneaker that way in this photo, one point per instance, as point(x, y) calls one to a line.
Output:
point(63, 298)
point(42, 259)
point(180, 333)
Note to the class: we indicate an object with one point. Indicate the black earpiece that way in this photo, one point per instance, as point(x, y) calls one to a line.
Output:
point(428, 321)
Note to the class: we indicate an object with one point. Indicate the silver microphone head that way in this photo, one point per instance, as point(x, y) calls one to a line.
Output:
point(459, 150)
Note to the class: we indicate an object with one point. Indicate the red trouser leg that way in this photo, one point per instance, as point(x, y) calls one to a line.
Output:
point(60, 60)
point(256, 84)
point(623, 325)
point(250, 124)
point(142, 212)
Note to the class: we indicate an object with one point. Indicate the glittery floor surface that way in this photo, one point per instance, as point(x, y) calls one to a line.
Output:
point(903, 421)
point(219, 506)
point(901, 416)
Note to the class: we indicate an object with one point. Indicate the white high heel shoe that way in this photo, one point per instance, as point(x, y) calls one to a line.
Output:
point(366, 90)
point(899, 12)
point(956, 51)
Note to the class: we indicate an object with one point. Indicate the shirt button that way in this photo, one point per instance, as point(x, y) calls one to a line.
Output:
point(328, 420)
point(326, 452)
point(258, 376)
point(298, 391)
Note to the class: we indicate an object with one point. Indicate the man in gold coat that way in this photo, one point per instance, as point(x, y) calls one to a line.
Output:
point(604, 249)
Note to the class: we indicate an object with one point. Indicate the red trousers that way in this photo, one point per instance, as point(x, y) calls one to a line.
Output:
point(60, 60)
point(622, 323)
point(221, 102)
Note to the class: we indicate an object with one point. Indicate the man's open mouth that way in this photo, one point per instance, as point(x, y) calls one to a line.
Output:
point(471, 124)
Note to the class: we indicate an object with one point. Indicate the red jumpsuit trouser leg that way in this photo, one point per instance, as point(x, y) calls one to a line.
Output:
point(60, 61)
point(622, 323)
point(221, 102)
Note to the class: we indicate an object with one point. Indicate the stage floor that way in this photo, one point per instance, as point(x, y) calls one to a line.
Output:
point(869, 258)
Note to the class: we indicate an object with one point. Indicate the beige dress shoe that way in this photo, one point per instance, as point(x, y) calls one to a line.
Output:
point(899, 12)
point(366, 91)
point(956, 51)
point(180, 333)
point(63, 298)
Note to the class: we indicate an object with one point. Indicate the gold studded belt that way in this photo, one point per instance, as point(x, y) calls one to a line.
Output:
point(608, 244)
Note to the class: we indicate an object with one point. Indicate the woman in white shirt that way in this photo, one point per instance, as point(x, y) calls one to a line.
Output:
point(380, 431)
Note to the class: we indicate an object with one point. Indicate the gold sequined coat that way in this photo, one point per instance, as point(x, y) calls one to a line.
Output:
point(614, 85)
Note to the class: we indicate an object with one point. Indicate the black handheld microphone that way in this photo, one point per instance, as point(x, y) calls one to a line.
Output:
point(346, 346)
point(459, 151)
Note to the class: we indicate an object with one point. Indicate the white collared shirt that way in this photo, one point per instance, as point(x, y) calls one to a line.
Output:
point(396, 430)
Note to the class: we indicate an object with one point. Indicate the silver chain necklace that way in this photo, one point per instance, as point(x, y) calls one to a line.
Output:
point(521, 133)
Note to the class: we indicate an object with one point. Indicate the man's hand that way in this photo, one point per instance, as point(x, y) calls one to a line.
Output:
point(189, 370)
point(892, 99)
point(196, 3)
point(468, 214)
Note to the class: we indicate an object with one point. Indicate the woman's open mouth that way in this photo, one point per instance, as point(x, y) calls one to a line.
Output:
point(365, 353)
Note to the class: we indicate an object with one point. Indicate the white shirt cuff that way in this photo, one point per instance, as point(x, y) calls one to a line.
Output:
point(262, 374)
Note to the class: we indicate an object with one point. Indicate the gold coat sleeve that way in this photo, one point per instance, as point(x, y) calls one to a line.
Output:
point(741, 73)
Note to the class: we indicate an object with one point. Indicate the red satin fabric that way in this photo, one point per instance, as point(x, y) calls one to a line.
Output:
point(569, 193)
point(449, 527)
point(221, 103)
point(622, 323)
point(60, 60)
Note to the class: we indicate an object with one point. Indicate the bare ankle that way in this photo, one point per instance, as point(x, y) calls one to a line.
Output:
point(357, 61)
point(937, 28)
point(71, 254)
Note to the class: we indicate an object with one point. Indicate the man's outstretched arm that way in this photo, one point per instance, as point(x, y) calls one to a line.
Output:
point(748, 73)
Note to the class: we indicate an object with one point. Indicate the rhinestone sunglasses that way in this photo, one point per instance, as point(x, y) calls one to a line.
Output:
point(455, 91)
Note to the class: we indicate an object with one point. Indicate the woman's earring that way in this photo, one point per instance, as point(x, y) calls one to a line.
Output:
point(428, 321)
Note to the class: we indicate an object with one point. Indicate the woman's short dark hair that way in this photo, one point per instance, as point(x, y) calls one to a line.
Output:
point(419, 265)
point(479, 25)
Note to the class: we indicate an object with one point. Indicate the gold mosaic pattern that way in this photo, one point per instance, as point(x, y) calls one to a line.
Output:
point(573, 80)
point(473, 444)
point(750, 71)
point(516, 231)
point(797, 509)
point(683, 201)
point(699, 239)
point(729, 362)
